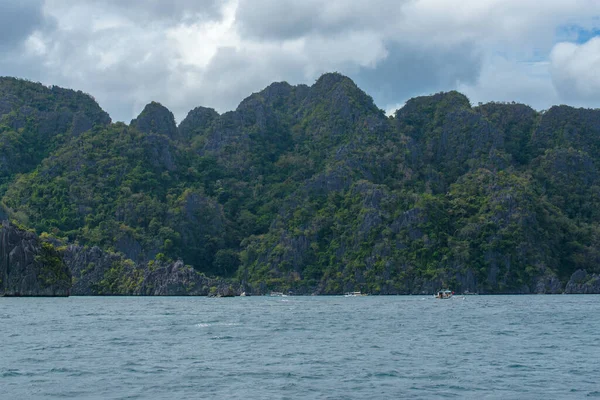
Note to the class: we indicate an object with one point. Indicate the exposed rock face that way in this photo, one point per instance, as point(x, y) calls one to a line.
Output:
point(309, 190)
point(197, 121)
point(177, 279)
point(97, 272)
point(30, 266)
point(88, 267)
point(583, 283)
point(547, 284)
point(156, 118)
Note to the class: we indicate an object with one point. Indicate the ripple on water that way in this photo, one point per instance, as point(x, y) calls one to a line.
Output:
point(211, 324)
point(309, 347)
point(222, 338)
point(8, 373)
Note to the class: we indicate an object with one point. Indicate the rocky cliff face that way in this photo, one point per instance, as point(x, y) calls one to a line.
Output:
point(30, 266)
point(155, 118)
point(97, 272)
point(583, 283)
point(311, 190)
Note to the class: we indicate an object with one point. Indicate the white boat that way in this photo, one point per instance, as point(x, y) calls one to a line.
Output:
point(444, 294)
point(277, 294)
point(354, 294)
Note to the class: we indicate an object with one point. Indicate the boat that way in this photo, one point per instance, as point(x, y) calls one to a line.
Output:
point(444, 294)
point(354, 294)
point(278, 294)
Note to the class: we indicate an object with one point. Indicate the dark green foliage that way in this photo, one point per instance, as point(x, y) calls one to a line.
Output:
point(35, 119)
point(314, 189)
point(125, 190)
point(52, 270)
point(518, 122)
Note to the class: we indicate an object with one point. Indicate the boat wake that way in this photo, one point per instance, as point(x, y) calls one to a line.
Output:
point(208, 325)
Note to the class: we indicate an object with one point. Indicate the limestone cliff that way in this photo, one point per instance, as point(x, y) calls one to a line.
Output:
point(30, 266)
point(98, 272)
point(583, 283)
point(309, 189)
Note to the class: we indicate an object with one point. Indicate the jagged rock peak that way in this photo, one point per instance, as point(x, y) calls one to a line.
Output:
point(341, 94)
point(156, 118)
point(276, 94)
point(276, 90)
point(331, 79)
point(17, 93)
point(448, 101)
point(197, 120)
point(493, 105)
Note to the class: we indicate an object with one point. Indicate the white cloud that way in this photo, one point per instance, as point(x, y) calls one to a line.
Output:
point(199, 42)
point(187, 53)
point(575, 71)
point(391, 109)
point(514, 23)
point(502, 79)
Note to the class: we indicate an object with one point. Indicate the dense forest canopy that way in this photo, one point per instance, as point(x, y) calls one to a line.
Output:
point(314, 189)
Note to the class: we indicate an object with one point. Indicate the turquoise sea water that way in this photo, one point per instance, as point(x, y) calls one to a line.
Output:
point(482, 347)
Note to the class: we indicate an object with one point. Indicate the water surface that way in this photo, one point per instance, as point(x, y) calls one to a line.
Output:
point(482, 347)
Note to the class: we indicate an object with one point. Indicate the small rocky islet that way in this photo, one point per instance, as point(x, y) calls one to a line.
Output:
point(308, 189)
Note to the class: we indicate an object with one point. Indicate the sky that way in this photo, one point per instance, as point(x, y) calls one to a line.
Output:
point(215, 53)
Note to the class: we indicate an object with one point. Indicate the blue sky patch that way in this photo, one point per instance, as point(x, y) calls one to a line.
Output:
point(577, 34)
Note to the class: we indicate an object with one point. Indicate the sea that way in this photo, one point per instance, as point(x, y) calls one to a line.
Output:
point(321, 347)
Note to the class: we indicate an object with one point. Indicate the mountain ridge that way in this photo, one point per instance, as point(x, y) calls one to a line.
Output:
point(312, 189)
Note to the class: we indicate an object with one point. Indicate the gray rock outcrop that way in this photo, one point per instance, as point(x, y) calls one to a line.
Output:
point(156, 118)
point(547, 284)
point(30, 266)
point(583, 283)
point(97, 272)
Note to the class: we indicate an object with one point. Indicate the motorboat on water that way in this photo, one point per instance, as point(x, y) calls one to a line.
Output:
point(444, 294)
point(354, 294)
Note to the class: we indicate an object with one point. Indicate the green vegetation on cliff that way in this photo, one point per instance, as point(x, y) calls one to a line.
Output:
point(34, 120)
point(314, 189)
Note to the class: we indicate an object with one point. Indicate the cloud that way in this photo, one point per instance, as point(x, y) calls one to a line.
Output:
point(503, 79)
point(290, 19)
point(18, 19)
point(408, 71)
point(142, 12)
point(575, 71)
point(187, 53)
point(121, 54)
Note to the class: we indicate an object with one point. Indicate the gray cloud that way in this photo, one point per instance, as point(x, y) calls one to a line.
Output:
point(124, 86)
point(575, 72)
point(18, 19)
point(502, 79)
point(148, 11)
point(187, 53)
point(175, 10)
point(289, 19)
point(234, 74)
point(409, 71)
